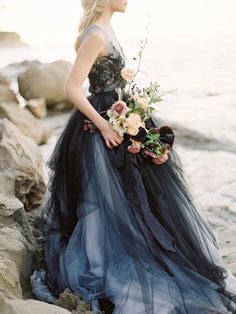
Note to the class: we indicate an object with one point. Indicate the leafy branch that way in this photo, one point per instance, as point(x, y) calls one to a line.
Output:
point(143, 44)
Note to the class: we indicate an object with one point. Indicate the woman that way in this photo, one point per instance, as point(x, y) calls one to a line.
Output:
point(119, 228)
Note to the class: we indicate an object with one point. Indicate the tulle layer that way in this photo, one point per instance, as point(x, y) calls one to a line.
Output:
point(128, 231)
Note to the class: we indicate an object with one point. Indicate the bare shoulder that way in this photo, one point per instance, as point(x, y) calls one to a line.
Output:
point(94, 39)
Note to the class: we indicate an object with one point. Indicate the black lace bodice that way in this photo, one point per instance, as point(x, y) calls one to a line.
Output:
point(105, 72)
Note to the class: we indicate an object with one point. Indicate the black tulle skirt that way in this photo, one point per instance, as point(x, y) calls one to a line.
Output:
point(118, 226)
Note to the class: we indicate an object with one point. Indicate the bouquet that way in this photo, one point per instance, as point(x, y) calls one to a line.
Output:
point(130, 116)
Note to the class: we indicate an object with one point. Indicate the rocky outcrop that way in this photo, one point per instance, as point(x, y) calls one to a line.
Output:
point(9, 39)
point(17, 248)
point(16, 261)
point(47, 81)
point(25, 121)
point(17, 306)
point(20, 174)
point(21, 157)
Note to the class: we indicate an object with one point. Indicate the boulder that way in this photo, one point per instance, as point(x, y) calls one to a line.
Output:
point(45, 80)
point(12, 70)
point(17, 306)
point(25, 121)
point(21, 156)
point(68, 300)
point(6, 93)
point(12, 212)
point(15, 261)
point(7, 181)
point(9, 278)
point(4, 80)
point(37, 106)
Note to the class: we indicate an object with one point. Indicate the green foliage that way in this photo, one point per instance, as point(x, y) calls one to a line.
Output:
point(151, 93)
point(153, 142)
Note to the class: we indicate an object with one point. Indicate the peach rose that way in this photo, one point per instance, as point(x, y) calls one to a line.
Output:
point(132, 131)
point(127, 74)
point(133, 122)
point(134, 147)
point(133, 119)
point(143, 103)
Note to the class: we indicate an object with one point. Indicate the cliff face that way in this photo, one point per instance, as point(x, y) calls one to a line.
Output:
point(11, 39)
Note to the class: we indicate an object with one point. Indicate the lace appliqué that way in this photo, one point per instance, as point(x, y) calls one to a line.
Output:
point(105, 73)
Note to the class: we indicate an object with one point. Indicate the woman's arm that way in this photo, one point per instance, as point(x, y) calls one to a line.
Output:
point(90, 48)
point(93, 45)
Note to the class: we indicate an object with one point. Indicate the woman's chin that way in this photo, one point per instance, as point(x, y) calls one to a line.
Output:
point(123, 10)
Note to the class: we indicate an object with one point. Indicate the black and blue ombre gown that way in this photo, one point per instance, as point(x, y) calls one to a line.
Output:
point(117, 226)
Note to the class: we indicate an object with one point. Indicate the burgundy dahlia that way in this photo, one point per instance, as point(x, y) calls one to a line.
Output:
point(167, 135)
point(89, 126)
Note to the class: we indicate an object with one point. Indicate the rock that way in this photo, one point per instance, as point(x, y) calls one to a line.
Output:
point(9, 205)
point(26, 122)
point(45, 80)
point(68, 300)
point(7, 182)
point(11, 212)
point(4, 80)
point(11, 39)
point(20, 155)
point(37, 106)
point(61, 106)
point(17, 306)
point(74, 303)
point(35, 221)
point(17, 248)
point(83, 306)
point(9, 279)
point(6, 93)
point(17, 244)
point(14, 250)
point(13, 70)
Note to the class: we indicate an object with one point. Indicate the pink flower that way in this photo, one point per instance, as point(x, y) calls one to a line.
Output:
point(135, 147)
point(86, 123)
point(119, 107)
point(89, 126)
point(160, 160)
point(155, 130)
point(166, 148)
point(148, 153)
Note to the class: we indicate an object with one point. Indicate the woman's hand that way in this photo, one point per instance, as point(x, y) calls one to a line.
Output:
point(111, 137)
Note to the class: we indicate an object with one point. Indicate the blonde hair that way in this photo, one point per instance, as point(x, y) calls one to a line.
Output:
point(92, 10)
